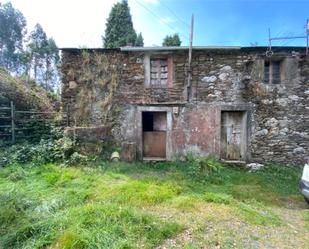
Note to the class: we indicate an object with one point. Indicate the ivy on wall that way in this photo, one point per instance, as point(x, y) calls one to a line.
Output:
point(97, 78)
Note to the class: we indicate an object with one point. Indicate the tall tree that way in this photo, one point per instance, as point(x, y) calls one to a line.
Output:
point(139, 42)
point(119, 27)
point(172, 40)
point(12, 31)
point(43, 58)
point(51, 65)
point(37, 49)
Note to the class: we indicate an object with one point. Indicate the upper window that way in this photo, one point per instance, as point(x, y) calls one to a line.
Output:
point(272, 72)
point(159, 72)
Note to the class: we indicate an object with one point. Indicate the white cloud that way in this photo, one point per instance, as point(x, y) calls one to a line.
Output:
point(82, 23)
point(71, 23)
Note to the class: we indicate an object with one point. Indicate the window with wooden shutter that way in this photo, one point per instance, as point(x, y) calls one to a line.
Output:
point(158, 72)
point(272, 72)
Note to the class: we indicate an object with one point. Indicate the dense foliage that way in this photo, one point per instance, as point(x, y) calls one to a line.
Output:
point(45, 145)
point(33, 55)
point(139, 42)
point(12, 32)
point(43, 58)
point(119, 30)
point(25, 94)
point(171, 40)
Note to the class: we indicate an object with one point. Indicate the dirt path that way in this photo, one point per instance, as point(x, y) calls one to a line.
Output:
point(215, 228)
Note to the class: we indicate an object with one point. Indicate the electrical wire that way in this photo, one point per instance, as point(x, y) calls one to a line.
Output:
point(159, 18)
point(174, 14)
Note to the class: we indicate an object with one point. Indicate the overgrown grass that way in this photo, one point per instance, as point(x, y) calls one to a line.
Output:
point(119, 205)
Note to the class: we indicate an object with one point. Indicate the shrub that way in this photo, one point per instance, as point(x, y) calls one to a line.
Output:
point(57, 148)
point(77, 158)
point(201, 166)
point(36, 128)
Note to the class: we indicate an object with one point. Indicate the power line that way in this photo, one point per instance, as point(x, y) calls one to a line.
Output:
point(289, 37)
point(174, 14)
point(158, 17)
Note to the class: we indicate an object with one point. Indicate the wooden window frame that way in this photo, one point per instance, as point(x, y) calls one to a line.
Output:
point(159, 72)
point(149, 72)
point(269, 72)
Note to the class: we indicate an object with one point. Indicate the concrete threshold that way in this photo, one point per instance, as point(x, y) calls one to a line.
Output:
point(154, 159)
point(238, 162)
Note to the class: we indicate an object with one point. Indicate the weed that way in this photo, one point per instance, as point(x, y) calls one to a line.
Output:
point(201, 166)
point(218, 198)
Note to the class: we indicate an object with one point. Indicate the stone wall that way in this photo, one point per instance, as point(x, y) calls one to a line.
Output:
point(107, 87)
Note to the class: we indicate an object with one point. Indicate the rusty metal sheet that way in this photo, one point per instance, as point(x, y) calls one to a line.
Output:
point(154, 144)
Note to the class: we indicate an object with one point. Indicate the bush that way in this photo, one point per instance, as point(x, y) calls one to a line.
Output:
point(36, 128)
point(201, 166)
point(77, 158)
point(57, 148)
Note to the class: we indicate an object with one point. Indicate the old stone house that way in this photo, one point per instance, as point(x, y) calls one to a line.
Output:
point(238, 105)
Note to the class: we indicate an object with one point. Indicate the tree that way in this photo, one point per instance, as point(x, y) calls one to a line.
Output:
point(119, 27)
point(12, 31)
point(37, 49)
point(51, 65)
point(171, 40)
point(139, 41)
point(43, 58)
point(37, 57)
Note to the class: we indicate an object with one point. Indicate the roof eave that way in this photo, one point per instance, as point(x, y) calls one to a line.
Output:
point(142, 49)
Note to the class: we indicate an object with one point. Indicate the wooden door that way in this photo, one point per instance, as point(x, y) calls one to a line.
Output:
point(233, 135)
point(154, 144)
point(154, 134)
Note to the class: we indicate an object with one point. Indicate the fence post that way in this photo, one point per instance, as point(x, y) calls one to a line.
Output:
point(13, 122)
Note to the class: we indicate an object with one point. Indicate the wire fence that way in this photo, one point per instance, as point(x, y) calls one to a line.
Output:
point(20, 125)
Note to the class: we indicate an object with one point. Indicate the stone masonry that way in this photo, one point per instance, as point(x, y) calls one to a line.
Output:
point(107, 88)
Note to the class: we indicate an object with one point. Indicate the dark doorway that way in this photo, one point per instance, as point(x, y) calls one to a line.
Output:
point(233, 135)
point(154, 135)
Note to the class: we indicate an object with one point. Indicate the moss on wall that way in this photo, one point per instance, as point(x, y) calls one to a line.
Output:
point(97, 77)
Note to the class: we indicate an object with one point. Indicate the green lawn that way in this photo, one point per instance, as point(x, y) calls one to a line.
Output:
point(118, 205)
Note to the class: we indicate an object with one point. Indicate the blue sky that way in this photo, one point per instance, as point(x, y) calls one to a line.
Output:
point(217, 22)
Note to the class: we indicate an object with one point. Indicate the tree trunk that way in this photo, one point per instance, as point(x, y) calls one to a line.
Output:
point(35, 67)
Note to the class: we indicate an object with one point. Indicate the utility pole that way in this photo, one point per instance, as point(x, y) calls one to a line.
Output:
point(189, 87)
point(307, 35)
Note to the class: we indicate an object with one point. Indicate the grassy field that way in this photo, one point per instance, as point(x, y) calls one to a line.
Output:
point(161, 205)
